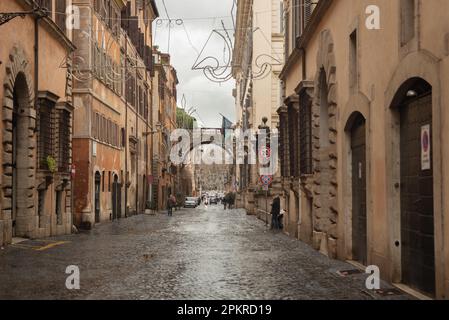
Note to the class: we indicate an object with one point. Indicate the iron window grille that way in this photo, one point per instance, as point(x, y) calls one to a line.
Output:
point(45, 131)
point(64, 141)
point(293, 123)
point(305, 134)
point(61, 7)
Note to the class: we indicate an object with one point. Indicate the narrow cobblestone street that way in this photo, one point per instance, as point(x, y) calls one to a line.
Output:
point(196, 254)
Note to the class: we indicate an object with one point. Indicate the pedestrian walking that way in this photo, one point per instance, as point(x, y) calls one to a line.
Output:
point(170, 205)
point(275, 211)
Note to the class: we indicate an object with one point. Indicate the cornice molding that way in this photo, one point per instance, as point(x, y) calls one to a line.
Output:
point(303, 86)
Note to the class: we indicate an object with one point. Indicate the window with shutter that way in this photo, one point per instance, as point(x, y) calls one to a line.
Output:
point(98, 126)
point(133, 91)
point(307, 12)
point(296, 21)
point(123, 138)
point(94, 125)
point(145, 104)
point(293, 141)
point(141, 102)
point(281, 16)
point(61, 7)
point(101, 135)
point(148, 58)
point(134, 31)
point(45, 131)
point(46, 4)
point(110, 10)
point(126, 12)
point(284, 144)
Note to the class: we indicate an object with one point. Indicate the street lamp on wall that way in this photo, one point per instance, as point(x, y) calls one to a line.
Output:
point(158, 129)
point(411, 94)
point(5, 17)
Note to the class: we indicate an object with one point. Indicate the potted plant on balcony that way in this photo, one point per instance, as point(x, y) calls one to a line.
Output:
point(51, 166)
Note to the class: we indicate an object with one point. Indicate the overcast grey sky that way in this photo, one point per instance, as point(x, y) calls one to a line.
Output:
point(199, 17)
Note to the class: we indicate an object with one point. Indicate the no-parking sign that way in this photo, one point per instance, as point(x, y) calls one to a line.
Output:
point(266, 180)
point(425, 148)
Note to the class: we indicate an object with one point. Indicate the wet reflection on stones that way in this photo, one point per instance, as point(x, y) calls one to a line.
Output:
point(196, 254)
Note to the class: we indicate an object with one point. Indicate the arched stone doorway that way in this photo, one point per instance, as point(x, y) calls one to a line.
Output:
point(356, 129)
point(425, 66)
point(19, 147)
point(356, 122)
point(412, 109)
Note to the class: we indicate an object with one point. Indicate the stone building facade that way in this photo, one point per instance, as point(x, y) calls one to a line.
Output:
point(164, 120)
point(257, 62)
point(185, 184)
point(112, 99)
point(36, 121)
point(363, 125)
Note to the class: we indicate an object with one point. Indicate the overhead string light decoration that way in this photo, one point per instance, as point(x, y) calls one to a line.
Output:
point(211, 66)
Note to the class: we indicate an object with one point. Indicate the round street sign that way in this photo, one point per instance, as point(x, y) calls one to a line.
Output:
point(266, 180)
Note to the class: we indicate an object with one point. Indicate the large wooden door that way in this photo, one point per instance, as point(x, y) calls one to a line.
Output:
point(14, 167)
point(116, 199)
point(119, 200)
point(359, 221)
point(417, 228)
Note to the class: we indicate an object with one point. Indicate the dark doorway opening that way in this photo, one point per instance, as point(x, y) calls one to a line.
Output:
point(358, 164)
point(116, 199)
point(19, 157)
point(417, 210)
point(97, 196)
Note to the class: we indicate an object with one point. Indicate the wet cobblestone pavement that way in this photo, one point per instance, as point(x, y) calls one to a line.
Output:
point(196, 254)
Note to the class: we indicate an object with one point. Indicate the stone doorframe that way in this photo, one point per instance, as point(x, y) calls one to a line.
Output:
point(18, 69)
point(358, 104)
point(419, 64)
point(325, 201)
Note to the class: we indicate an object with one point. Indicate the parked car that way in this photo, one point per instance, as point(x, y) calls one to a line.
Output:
point(213, 200)
point(190, 202)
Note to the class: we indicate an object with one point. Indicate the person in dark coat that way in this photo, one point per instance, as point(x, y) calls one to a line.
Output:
point(225, 201)
point(275, 211)
point(170, 204)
